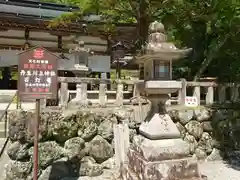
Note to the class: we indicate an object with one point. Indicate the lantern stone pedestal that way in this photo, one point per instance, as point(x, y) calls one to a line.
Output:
point(81, 96)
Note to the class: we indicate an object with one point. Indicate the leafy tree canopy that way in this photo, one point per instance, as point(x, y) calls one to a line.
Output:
point(210, 27)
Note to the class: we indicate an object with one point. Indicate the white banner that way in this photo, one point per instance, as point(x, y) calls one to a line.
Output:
point(191, 101)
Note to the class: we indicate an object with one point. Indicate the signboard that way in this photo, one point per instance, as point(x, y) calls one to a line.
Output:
point(37, 73)
point(191, 101)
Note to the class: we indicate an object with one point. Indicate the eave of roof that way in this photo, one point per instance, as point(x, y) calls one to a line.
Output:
point(39, 4)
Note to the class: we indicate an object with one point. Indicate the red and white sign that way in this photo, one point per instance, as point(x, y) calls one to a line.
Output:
point(191, 101)
point(38, 53)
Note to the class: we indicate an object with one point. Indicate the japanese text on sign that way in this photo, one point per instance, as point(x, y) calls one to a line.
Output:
point(191, 101)
point(37, 72)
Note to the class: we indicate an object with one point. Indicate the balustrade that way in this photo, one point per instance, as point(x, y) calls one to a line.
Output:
point(205, 92)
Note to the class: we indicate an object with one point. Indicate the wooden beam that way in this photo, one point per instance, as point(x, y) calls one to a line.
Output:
point(52, 49)
point(47, 40)
point(26, 33)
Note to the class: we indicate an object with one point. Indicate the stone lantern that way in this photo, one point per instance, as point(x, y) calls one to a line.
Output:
point(157, 58)
point(81, 69)
point(159, 152)
point(118, 53)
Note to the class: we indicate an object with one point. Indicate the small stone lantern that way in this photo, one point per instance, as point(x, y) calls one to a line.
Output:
point(118, 53)
point(81, 69)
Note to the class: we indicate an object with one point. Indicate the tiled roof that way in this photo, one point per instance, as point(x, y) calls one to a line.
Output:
point(34, 8)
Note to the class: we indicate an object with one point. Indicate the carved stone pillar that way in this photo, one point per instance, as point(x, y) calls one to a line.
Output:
point(119, 95)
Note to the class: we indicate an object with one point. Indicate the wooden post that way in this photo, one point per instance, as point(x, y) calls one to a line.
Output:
point(35, 148)
point(64, 94)
point(84, 94)
point(210, 95)
point(121, 143)
point(222, 93)
point(102, 95)
point(234, 93)
point(197, 93)
point(119, 95)
point(182, 92)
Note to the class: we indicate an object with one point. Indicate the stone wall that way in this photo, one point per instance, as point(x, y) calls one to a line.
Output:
point(71, 144)
point(211, 132)
point(80, 142)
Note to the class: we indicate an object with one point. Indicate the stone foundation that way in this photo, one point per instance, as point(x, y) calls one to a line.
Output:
point(157, 170)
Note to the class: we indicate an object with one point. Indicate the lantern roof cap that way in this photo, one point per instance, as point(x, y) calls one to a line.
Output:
point(158, 47)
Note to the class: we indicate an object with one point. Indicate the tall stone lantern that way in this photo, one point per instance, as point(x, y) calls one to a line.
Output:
point(81, 69)
point(157, 58)
point(159, 152)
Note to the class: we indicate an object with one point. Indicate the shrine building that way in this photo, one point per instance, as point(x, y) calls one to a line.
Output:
point(25, 24)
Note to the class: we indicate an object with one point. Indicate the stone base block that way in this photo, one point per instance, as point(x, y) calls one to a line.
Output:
point(159, 127)
point(177, 169)
point(158, 150)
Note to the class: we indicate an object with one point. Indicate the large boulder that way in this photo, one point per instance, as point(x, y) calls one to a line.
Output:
point(52, 125)
point(59, 169)
point(185, 116)
point(110, 163)
point(202, 114)
point(200, 154)
point(88, 125)
point(192, 142)
point(18, 151)
point(181, 129)
point(17, 170)
point(215, 155)
point(105, 129)
point(207, 126)
point(75, 148)
point(205, 143)
point(89, 167)
point(49, 152)
point(64, 128)
point(100, 149)
point(194, 128)
point(20, 125)
point(89, 132)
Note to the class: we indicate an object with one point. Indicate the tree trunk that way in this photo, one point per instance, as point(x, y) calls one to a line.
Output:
point(143, 22)
point(209, 59)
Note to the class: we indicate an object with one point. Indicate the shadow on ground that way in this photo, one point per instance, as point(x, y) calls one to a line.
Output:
point(226, 130)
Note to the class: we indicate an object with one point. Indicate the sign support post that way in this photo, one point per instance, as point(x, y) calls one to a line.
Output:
point(37, 71)
point(36, 134)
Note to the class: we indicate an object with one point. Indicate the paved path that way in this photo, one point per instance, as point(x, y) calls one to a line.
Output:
point(219, 170)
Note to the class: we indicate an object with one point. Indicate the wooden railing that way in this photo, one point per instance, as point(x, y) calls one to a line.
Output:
point(102, 95)
point(209, 92)
point(205, 92)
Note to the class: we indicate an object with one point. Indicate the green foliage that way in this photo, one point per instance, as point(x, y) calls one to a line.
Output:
point(210, 27)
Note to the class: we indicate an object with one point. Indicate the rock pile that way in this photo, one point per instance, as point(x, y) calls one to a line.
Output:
point(195, 126)
point(76, 145)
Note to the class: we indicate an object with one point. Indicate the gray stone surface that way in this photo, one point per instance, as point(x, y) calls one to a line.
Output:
point(219, 170)
point(185, 116)
point(194, 128)
point(202, 114)
point(154, 150)
point(159, 127)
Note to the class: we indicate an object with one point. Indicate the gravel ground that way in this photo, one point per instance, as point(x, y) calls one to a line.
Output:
point(219, 170)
